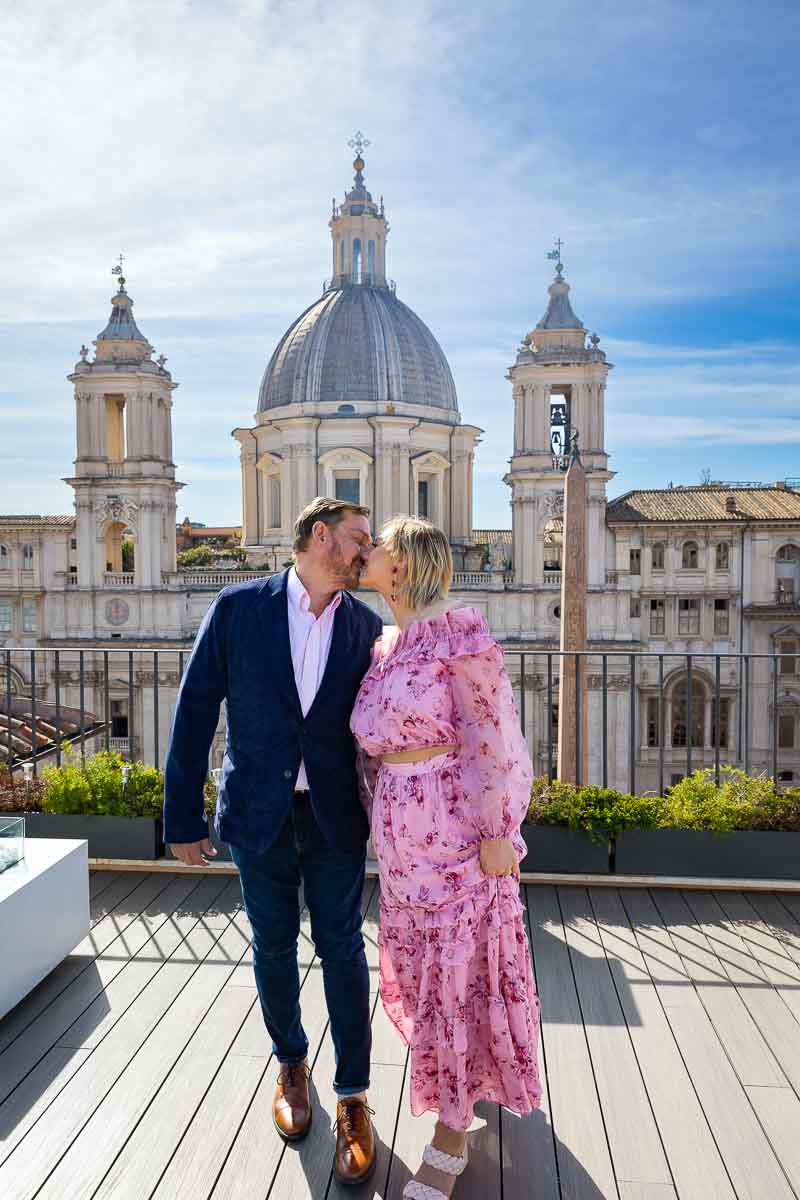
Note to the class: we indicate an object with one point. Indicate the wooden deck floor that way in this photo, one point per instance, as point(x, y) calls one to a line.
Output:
point(670, 1050)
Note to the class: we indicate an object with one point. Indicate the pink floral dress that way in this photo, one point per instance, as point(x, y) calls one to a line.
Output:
point(455, 969)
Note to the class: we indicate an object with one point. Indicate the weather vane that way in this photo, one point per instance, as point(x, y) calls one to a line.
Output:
point(117, 270)
point(555, 256)
point(358, 142)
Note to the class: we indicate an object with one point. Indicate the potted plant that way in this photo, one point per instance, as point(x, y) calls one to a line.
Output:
point(740, 829)
point(114, 805)
point(555, 836)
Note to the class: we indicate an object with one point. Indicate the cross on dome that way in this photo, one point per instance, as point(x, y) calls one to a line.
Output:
point(117, 270)
point(555, 256)
point(358, 142)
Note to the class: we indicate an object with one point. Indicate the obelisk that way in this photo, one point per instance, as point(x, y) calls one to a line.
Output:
point(572, 757)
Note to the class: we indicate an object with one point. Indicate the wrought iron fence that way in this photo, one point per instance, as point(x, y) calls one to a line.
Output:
point(649, 717)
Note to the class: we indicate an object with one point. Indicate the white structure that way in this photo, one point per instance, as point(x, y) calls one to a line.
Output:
point(44, 913)
point(358, 401)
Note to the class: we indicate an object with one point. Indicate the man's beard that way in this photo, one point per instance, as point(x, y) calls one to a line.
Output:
point(343, 575)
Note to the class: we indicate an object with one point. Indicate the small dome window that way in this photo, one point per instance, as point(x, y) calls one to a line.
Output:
point(346, 408)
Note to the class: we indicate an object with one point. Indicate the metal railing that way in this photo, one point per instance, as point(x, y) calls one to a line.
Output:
point(647, 715)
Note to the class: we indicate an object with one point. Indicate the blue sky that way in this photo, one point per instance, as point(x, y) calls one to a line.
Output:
point(206, 141)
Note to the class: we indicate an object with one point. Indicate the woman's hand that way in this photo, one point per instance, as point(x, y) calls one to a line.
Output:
point(498, 857)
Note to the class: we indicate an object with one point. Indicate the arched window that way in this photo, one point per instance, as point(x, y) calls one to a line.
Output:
point(690, 556)
point(553, 540)
point(341, 256)
point(371, 261)
point(658, 556)
point(27, 557)
point(4, 557)
point(357, 260)
point(680, 713)
point(787, 554)
point(722, 556)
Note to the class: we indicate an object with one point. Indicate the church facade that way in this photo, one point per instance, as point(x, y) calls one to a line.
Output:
point(358, 401)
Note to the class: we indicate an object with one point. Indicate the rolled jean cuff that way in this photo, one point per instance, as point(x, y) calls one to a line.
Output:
point(351, 1091)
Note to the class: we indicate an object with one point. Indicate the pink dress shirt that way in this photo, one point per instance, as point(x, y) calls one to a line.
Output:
point(310, 641)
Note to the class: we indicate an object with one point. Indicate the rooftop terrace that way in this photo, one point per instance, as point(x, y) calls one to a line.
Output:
point(670, 1048)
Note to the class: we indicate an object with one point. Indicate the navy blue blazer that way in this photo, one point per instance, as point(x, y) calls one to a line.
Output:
point(242, 655)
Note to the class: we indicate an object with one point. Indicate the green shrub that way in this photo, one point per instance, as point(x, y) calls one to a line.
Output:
point(96, 787)
point(739, 802)
point(198, 556)
point(600, 812)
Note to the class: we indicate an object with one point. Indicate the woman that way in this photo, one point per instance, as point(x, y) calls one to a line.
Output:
point(448, 773)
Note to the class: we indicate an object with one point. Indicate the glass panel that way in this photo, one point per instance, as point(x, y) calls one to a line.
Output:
point(724, 709)
point(370, 261)
point(348, 489)
point(12, 841)
point(5, 616)
point(29, 616)
point(636, 562)
point(786, 731)
point(422, 498)
point(652, 722)
point(658, 557)
point(721, 618)
point(119, 718)
point(722, 556)
point(3, 558)
point(680, 714)
point(689, 556)
point(657, 616)
point(688, 616)
point(788, 666)
point(356, 260)
point(27, 558)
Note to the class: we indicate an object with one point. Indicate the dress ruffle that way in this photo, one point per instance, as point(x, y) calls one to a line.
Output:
point(454, 634)
point(457, 984)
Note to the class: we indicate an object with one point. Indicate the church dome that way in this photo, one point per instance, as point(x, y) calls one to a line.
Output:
point(358, 343)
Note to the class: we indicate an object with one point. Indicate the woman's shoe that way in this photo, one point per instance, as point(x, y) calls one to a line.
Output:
point(448, 1164)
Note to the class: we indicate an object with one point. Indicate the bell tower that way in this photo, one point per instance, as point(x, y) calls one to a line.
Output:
point(558, 386)
point(124, 480)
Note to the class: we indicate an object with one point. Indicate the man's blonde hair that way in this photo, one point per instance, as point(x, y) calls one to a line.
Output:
point(426, 552)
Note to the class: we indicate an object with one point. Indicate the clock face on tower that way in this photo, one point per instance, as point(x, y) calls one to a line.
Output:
point(117, 612)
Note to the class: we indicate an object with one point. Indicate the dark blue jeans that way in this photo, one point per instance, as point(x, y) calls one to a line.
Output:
point(333, 883)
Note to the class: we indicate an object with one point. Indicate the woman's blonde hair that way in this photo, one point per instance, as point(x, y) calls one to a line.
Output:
point(426, 552)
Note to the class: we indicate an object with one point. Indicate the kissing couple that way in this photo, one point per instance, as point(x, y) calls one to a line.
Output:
point(337, 726)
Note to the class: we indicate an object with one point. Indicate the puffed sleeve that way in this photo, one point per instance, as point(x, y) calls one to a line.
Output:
point(497, 765)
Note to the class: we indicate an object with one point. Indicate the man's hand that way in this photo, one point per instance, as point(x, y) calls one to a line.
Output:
point(498, 857)
point(194, 854)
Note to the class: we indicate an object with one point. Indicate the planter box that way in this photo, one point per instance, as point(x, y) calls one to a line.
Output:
point(566, 851)
point(223, 849)
point(108, 837)
point(744, 854)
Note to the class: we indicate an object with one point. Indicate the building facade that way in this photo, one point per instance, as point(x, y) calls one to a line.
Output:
point(358, 401)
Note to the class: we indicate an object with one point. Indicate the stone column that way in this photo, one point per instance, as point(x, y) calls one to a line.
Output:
point(541, 423)
point(518, 394)
point(572, 724)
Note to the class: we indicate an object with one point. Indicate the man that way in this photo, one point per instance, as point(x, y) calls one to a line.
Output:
point(287, 654)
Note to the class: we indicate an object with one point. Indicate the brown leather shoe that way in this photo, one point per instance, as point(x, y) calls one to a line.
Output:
point(355, 1142)
point(291, 1107)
